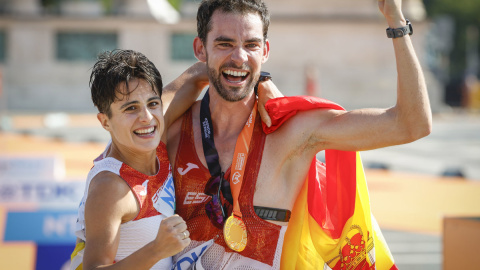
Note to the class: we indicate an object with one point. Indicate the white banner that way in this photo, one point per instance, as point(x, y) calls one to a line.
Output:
point(42, 194)
point(33, 168)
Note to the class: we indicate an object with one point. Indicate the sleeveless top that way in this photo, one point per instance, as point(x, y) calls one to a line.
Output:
point(155, 194)
point(265, 240)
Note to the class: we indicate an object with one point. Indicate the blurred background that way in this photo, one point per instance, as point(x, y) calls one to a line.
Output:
point(425, 195)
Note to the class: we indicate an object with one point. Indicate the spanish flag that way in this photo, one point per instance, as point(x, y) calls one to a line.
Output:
point(331, 226)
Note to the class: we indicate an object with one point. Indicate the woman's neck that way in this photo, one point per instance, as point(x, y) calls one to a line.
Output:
point(144, 162)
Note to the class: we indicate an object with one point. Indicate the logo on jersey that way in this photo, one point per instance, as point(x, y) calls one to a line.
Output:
point(143, 192)
point(195, 197)
point(164, 198)
point(190, 166)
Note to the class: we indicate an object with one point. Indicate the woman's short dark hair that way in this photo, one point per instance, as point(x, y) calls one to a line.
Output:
point(208, 7)
point(117, 67)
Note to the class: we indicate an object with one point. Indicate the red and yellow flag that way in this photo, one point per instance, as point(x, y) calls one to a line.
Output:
point(331, 225)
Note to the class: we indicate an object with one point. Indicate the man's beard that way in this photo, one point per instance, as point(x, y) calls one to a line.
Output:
point(231, 93)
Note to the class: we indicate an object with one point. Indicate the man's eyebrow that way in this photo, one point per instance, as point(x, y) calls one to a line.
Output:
point(224, 39)
point(227, 39)
point(253, 40)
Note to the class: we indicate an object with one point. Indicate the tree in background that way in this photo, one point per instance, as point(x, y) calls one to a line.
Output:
point(463, 52)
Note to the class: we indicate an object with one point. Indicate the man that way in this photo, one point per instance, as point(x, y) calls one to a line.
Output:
point(232, 40)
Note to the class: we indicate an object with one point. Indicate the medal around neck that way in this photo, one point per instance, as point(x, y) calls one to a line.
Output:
point(235, 233)
point(234, 230)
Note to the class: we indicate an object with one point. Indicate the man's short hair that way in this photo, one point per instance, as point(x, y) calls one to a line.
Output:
point(208, 7)
point(117, 67)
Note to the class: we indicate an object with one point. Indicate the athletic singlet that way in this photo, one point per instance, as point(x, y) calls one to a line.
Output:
point(265, 239)
point(155, 194)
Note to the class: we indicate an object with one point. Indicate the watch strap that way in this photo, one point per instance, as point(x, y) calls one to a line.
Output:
point(400, 32)
point(264, 76)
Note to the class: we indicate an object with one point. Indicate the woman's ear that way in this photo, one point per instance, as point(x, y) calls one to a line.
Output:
point(104, 121)
point(199, 50)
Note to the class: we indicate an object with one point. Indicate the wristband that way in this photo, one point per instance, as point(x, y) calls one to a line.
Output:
point(400, 32)
point(264, 76)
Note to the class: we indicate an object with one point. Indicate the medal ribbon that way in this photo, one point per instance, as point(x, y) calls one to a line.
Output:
point(240, 155)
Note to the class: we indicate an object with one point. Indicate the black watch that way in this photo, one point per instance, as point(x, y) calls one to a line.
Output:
point(400, 32)
point(264, 76)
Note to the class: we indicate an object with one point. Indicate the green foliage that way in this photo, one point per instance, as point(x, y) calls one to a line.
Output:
point(175, 3)
point(465, 13)
point(464, 10)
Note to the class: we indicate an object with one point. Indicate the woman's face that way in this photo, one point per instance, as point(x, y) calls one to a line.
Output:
point(136, 121)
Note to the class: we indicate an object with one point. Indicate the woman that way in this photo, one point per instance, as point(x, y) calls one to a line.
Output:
point(126, 218)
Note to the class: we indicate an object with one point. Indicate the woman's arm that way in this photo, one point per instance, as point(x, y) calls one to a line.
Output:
point(111, 203)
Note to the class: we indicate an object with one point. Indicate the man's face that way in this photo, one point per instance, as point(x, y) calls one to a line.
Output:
point(235, 51)
point(136, 122)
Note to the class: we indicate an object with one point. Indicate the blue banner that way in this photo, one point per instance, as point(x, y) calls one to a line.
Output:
point(45, 227)
point(53, 257)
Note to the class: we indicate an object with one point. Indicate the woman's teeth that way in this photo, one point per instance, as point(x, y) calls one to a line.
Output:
point(144, 131)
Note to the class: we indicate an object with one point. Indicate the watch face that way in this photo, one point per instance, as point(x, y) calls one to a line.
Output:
point(399, 32)
point(265, 76)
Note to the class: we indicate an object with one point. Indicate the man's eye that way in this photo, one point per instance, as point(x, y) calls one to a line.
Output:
point(225, 44)
point(253, 45)
point(154, 103)
point(131, 108)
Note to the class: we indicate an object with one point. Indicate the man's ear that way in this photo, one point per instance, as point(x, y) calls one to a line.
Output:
point(104, 121)
point(266, 51)
point(199, 50)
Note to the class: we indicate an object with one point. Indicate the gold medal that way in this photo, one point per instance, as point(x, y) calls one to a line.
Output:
point(235, 233)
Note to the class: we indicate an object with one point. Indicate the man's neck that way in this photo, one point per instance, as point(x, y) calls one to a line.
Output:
point(228, 118)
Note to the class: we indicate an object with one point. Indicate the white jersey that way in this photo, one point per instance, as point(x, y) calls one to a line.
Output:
point(155, 195)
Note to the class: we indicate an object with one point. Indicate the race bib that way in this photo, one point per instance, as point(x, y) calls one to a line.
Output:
point(192, 259)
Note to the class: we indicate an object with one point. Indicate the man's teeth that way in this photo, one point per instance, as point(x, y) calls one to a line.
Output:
point(235, 73)
point(145, 131)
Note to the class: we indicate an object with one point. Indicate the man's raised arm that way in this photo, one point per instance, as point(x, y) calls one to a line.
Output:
point(364, 129)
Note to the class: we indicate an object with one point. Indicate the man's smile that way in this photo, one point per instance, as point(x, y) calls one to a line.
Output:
point(235, 76)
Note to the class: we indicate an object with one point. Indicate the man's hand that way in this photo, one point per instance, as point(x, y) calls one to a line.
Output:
point(392, 10)
point(266, 91)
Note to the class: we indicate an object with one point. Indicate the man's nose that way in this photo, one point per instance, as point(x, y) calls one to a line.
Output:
point(239, 56)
